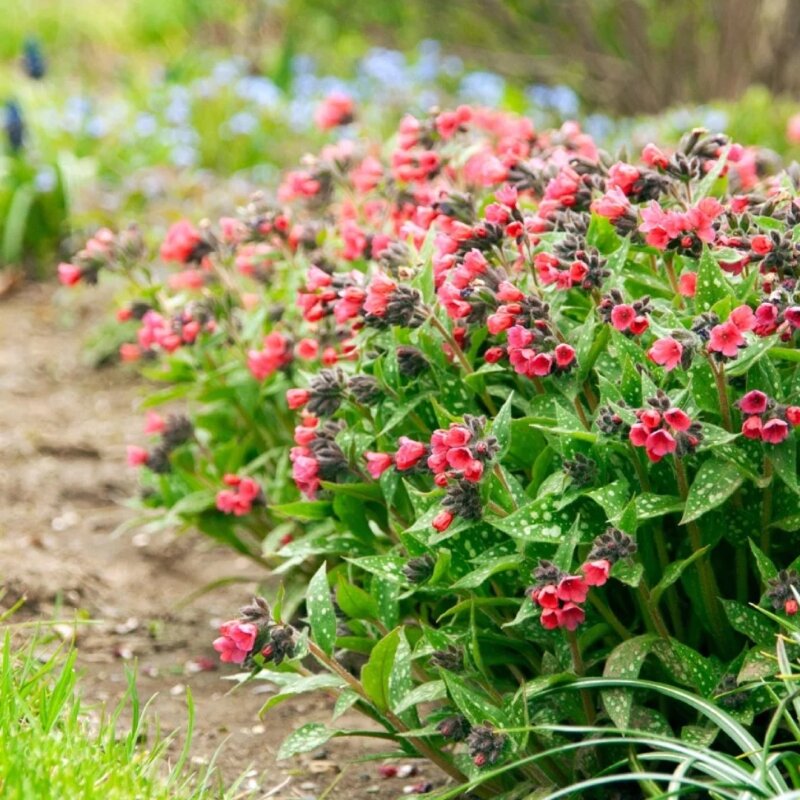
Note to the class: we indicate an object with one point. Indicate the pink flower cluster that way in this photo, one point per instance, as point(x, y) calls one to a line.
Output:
point(765, 419)
point(336, 109)
point(168, 335)
point(240, 497)
point(305, 467)
point(236, 642)
point(561, 601)
point(680, 228)
point(181, 243)
point(657, 432)
point(275, 354)
point(527, 361)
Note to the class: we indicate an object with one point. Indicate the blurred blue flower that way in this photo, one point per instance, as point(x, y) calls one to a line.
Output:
point(384, 66)
point(45, 180)
point(183, 156)
point(261, 91)
point(243, 123)
point(483, 88)
point(145, 125)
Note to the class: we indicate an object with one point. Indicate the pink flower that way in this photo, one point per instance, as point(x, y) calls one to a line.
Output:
point(654, 157)
point(659, 444)
point(754, 402)
point(666, 352)
point(595, 573)
point(622, 316)
point(638, 434)
point(726, 339)
point(623, 176)
point(181, 242)
point(687, 284)
point(305, 472)
point(547, 597)
point(550, 619)
point(237, 641)
point(154, 423)
point(69, 274)
point(774, 431)
point(793, 415)
point(612, 205)
point(572, 588)
point(743, 318)
point(409, 453)
point(751, 427)
point(570, 616)
point(377, 463)
point(137, 456)
point(677, 419)
point(297, 398)
point(565, 355)
point(336, 109)
point(307, 349)
point(760, 244)
point(793, 129)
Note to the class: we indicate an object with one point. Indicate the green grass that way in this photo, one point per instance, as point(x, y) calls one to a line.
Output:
point(51, 747)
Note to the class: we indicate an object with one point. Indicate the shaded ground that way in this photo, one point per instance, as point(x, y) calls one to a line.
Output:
point(63, 430)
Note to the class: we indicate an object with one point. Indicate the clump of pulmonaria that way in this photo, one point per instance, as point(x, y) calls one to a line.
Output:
point(485, 745)
point(461, 451)
point(725, 339)
point(580, 469)
point(243, 493)
point(783, 591)
point(608, 548)
point(336, 109)
point(663, 429)
point(685, 231)
point(628, 318)
point(236, 641)
point(185, 244)
point(765, 419)
point(174, 431)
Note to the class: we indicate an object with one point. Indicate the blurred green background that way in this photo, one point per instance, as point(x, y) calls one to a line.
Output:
point(155, 107)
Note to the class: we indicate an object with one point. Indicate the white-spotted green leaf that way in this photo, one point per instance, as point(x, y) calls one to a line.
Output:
point(400, 683)
point(501, 427)
point(766, 569)
point(715, 482)
point(387, 592)
point(625, 661)
point(627, 571)
point(473, 704)
point(673, 571)
point(376, 672)
point(711, 283)
point(300, 685)
point(750, 622)
point(758, 664)
point(784, 460)
point(612, 498)
point(539, 521)
point(686, 665)
point(424, 693)
point(493, 565)
point(346, 700)
point(321, 616)
point(304, 739)
point(389, 567)
point(650, 506)
point(756, 349)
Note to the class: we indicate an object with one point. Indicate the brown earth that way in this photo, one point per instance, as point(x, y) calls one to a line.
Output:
point(65, 547)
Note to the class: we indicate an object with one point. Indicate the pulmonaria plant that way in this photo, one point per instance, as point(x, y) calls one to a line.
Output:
point(474, 353)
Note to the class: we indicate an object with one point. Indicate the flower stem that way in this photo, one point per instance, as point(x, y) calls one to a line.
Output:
point(722, 391)
point(766, 508)
point(580, 671)
point(708, 582)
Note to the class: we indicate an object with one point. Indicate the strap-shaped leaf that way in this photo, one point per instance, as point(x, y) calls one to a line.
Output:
point(305, 738)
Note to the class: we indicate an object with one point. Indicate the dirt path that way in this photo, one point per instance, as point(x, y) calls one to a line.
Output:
point(63, 430)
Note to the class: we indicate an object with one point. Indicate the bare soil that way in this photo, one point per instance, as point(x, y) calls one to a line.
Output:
point(64, 546)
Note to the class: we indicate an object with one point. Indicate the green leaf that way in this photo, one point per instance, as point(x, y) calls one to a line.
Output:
point(354, 601)
point(477, 577)
point(501, 427)
point(784, 459)
point(750, 355)
point(304, 739)
point(766, 569)
point(715, 482)
point(346, 700)
point(650, 506)
point(321, 615)
point(474, 705)
point(424, 693)
point(376, 672)
point(304, 509)
point(625, 661)
point(748, 621)
point(686, 665)
point(711, 283)
point(400, 683)
point(299, 685)
point(612, 498)
point(673, 571)
point(629, 572)
point(389, 567)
